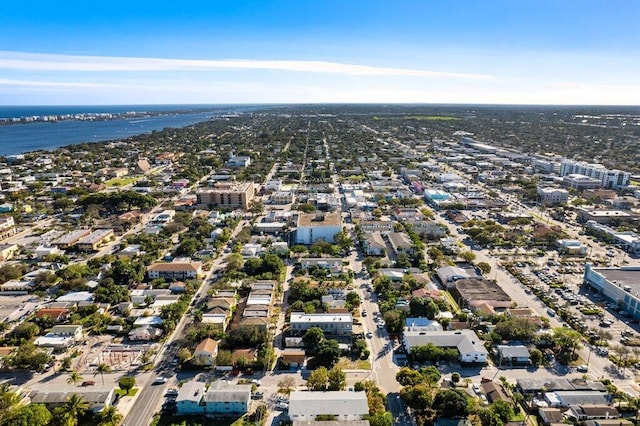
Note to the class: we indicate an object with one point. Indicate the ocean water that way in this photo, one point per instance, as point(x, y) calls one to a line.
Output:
point(25, 137)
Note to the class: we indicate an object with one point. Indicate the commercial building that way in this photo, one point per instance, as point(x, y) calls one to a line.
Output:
point(620, 285)
point(331, 324)
point(467, 342)
point(342, 405)
point(70, 239)
point(580, 182)
point(548, 195)
point(316, 227)
point(229, 195)
point(611, 179)
point(93, 241)
point(603, 216)
point(473, 292)
point(629, 241)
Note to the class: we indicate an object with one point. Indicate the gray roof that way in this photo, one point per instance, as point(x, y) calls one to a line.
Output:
point(57, 398)
point(465, 341)
point(191, 391)
point(231, 393)
point(558, 384)
point(331, 423)
point(333, 402)
point(518, 351)
point(582, 397)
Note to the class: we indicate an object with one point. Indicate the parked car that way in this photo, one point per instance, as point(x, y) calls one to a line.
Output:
point(160, 380)
point(582, 368)
point(88, 383)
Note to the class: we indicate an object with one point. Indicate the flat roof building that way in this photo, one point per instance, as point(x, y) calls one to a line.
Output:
point(342, 405)
point(231, 195)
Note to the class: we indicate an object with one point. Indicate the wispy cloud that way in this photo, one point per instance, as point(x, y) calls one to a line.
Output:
point(69, 63)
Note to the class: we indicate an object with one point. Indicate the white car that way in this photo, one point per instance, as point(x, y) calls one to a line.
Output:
point(160, 380)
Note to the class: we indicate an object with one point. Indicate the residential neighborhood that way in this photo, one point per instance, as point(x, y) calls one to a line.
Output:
point(320, 268)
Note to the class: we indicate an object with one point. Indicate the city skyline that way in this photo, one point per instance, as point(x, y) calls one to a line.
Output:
point(498, 52)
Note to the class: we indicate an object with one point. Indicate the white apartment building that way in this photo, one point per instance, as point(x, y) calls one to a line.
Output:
point(611, 179)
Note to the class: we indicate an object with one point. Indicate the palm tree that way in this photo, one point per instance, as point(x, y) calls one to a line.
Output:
point(101, 369)
point(74, 378)
point(110, 417)
point(75, 407)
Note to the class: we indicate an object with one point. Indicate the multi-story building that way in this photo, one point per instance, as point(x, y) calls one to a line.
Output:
point(331, 324)
point(7, 227)
point(343, 406)
point(611, 179)
point(229, 195)
point(315, 227)
point(552, 195)
point(580, 182)
point(70, 239)
point(629, 241)
point(175, 270)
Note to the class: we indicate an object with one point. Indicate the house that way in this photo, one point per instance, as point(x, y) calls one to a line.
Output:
point(467, 342)
point(145, 333)
point(76, 297)
point(342, 405)
point(377, 226)
point(148, 320)
point(422, 324)
point(513, 355)
point(294, 357)
point(550, 416)
point(494, 391)
point(331, 324)
point(206, 352)
point(56, 314)
point(373, 244)
point(7, 227)
point(238, 161)
point(592, 412)
point(142, 167)
point(400, 242)
point(334, 264)
point(61, 337)
point(315, 227)
point(175, 270)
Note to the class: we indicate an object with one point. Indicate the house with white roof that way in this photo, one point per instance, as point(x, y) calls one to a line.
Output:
point(467, 342)
point(342, 405)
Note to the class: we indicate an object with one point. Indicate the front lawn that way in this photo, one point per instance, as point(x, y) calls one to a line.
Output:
point(349, 364)
point(121, 392)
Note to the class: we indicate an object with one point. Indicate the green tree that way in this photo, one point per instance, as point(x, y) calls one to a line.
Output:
point(380, 419)
point(502, 409)
point(455, 378)
point(101, 369)
point(318, 379)
point(75, 407)
point(110, 417)
point(312, 337)
point(468, 256)
point(29, 415)
point(423, 307)
point(536, 356)
point(184, 354)
point(74, 378)
point(127, 383)
point(328, 353)
point(394, 320)
point(353, 299)
point(408, 377)
point(484, 267)
point(337, 379)
point(446, 402)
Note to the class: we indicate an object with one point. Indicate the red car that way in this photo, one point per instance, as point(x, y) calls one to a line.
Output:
point(88, 383)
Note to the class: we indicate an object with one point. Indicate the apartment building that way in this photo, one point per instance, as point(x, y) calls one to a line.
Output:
point(231, 195)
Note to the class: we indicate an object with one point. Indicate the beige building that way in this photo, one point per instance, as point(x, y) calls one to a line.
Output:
point(7, 227)
point(175, 270)
point(228, 195)
point(93, 241)
point(206, 352)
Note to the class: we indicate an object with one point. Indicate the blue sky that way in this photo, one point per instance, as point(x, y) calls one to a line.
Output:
point(462, 51)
